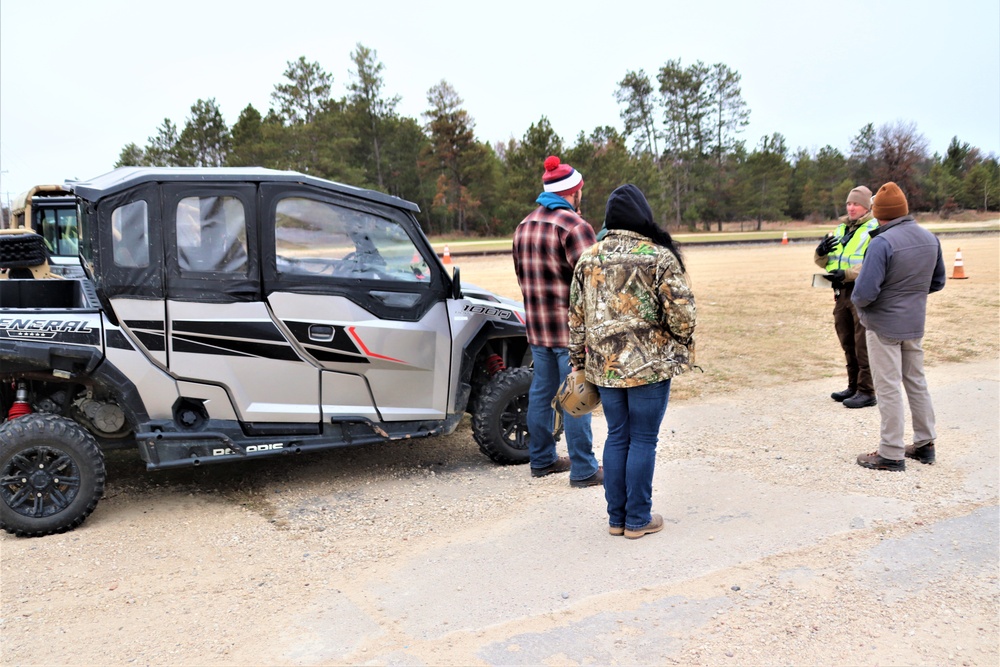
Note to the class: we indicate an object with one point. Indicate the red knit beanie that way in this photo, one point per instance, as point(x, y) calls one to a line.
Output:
point(559, 178)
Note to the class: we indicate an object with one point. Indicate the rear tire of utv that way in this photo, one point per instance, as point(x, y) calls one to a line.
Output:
point(500, 418)
point(51, 475)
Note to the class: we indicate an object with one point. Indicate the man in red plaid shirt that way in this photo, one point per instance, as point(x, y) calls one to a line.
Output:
point(547, 245)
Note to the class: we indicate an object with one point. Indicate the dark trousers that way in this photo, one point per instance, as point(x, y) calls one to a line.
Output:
point(851, 333)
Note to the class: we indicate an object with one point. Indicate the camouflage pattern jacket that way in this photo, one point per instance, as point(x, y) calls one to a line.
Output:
point(631, 313)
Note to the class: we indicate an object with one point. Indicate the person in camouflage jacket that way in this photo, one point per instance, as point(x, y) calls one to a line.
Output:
point(631, 322)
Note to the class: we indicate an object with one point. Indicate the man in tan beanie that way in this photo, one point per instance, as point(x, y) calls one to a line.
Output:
point(902, 266)
point(841, 256)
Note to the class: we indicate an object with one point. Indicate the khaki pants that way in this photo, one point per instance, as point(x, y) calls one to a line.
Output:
point(900, 362)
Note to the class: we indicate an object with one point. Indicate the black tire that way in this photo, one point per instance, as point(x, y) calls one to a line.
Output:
point(22, 250)
point(51, 475)
point(500, 418)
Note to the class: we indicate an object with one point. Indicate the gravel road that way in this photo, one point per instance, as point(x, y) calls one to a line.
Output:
point(778, 550)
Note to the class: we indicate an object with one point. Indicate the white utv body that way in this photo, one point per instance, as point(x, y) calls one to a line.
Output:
point(236, 313)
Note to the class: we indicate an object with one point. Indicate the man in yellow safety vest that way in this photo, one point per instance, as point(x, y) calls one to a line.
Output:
point(841, 255)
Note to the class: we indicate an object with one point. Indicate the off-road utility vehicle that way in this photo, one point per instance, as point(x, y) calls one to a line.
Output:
point(50, 210)
point(230, 314)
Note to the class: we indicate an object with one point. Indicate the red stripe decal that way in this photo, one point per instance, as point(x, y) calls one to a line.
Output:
point(364, 348)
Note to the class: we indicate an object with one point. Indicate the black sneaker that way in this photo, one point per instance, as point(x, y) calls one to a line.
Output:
point(841, 396)
point(924, 453)
point(561, 464)
point(876, 461)
point(860, 400)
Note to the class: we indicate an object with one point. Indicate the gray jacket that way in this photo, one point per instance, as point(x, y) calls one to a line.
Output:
point(902, 266)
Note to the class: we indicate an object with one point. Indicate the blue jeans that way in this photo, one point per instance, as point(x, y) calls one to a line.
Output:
point(551, 368)
point(634, 416)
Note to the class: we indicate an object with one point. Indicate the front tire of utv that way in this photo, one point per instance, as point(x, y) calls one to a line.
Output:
point(51, 475)
point(500, 419)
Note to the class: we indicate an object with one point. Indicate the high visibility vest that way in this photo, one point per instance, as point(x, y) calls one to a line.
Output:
point(851, 253)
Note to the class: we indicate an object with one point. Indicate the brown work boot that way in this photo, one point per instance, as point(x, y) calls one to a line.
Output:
point(561, 464)
point(876, 461)
point(597, 479)
point(616, 530)
point(655, 525)
point(924, 453)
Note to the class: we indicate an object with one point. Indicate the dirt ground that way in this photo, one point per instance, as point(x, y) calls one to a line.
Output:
point(778, 550)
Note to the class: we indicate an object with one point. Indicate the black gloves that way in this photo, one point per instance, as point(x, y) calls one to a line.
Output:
point(836, 277)
point(827, 245)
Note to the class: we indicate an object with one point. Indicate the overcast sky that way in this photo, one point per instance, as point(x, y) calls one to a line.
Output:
point(81, 79)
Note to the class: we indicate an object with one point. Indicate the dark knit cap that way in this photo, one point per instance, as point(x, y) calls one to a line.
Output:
point(889, 203)
point(627, 208)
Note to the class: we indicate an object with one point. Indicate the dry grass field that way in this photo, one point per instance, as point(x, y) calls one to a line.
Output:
point(761, 323)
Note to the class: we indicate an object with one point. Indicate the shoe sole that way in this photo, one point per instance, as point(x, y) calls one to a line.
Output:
point(543, 472)
point(863, 405)
point(926, 462)
point(583, 485)
point(636, 534)
point(616, 530)
point(875, 466)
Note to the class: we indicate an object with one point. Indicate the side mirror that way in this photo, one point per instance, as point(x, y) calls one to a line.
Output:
point(456, 284)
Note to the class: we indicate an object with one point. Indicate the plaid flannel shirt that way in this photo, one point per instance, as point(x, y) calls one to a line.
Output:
point(547, 245)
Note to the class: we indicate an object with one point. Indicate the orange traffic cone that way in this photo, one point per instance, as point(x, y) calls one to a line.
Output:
point(784, 238)
point(446, 258)
point(958, 271)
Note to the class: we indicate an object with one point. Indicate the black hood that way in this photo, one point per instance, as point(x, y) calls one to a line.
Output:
point(628, 209)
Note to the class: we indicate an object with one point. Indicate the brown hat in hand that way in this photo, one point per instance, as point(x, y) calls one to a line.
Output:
point(889, 203)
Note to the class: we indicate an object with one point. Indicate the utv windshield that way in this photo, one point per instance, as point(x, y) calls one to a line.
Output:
point(58, 225)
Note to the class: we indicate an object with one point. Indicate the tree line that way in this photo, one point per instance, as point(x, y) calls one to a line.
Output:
point(682, 144)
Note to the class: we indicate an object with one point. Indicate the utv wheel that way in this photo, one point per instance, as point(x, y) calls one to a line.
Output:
point(51, 475)
point(500, 419)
